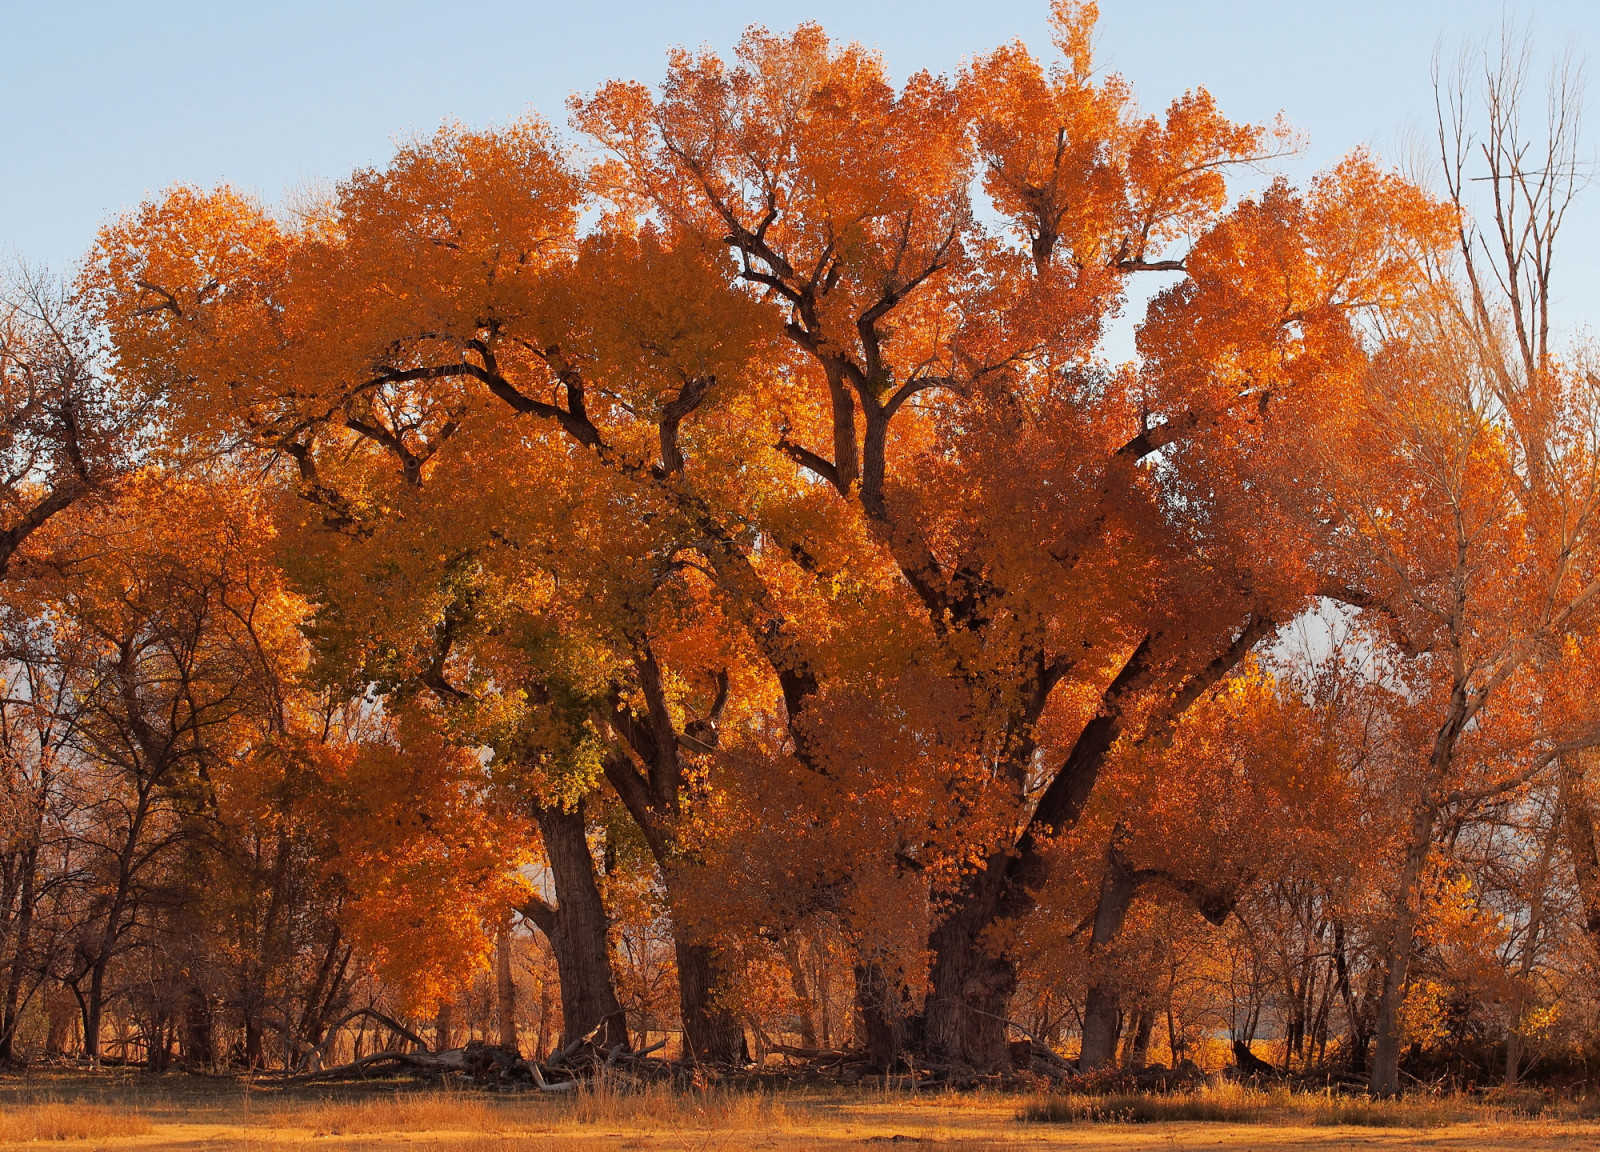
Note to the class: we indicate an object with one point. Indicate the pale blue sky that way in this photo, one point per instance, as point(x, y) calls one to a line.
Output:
point(107, 103)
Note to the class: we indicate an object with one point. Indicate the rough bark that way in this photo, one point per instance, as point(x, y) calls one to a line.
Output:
point(970, 985)
point(576, 926)
point(710, 1032)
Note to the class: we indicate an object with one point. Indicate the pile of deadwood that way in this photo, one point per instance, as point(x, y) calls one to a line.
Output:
point(1033, 1065)
point(490, 1066)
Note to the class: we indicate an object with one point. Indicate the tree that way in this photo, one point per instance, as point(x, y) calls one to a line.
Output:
point(1465, 492)
point(68, 428)
point(949, 397)
point(449, 308)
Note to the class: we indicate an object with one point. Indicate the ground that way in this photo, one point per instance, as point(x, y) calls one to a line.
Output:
point(133, 1112)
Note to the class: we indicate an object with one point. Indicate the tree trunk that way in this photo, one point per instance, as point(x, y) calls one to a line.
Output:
point(824, 995)
point(1581, 823)
point(793, 955)
point(1385, 1079)
point(58, 1006)
point(92, 1006)
point(577, 929)
point(442, 1028)
point(970, 986)
point(540, 1041)
point(1530, 952)
point(883, 1023)
point(199, 1036)
point(710, 1032)
point(28, 865)
point(253, 1039)
point(1138, 1051)
point(1102, 1017)
point(505, 989)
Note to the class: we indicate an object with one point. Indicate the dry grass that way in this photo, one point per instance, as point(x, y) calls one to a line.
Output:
point(57, 1120)
point(1236, 1104)
point(131, 1112)
point(650, 1109)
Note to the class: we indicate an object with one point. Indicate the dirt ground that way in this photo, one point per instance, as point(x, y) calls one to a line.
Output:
point(78, 1112)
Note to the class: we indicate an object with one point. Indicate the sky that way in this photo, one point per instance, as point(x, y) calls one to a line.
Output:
point(103, 105)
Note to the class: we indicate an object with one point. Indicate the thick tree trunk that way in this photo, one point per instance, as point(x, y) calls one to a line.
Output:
point(710, 1032)
point(577, 930)
point(1385, 1079)
point(970, 985)
point(1102, 1011)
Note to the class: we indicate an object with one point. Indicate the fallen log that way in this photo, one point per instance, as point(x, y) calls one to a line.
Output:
point(544, 1085)
point(315, 1054)
point(423, 1061)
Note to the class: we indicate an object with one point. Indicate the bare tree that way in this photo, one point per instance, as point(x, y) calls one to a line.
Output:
point(66, 429)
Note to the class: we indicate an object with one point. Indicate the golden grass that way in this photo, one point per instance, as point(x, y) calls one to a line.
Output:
point(57, 1120)
point(111, 1115)
point(647, 1109)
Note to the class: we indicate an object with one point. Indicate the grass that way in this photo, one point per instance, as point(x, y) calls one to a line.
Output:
point(113, 1112)
point(1236, 1104)
point(653, 1108)
point(57, 1120)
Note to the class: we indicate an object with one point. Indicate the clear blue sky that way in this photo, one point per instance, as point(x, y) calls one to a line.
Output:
point(107, 103)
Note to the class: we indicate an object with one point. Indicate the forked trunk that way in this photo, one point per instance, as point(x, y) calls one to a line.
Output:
point(1138, 1051)
point(577, 930)
point(971, 984)
point(793, 956)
